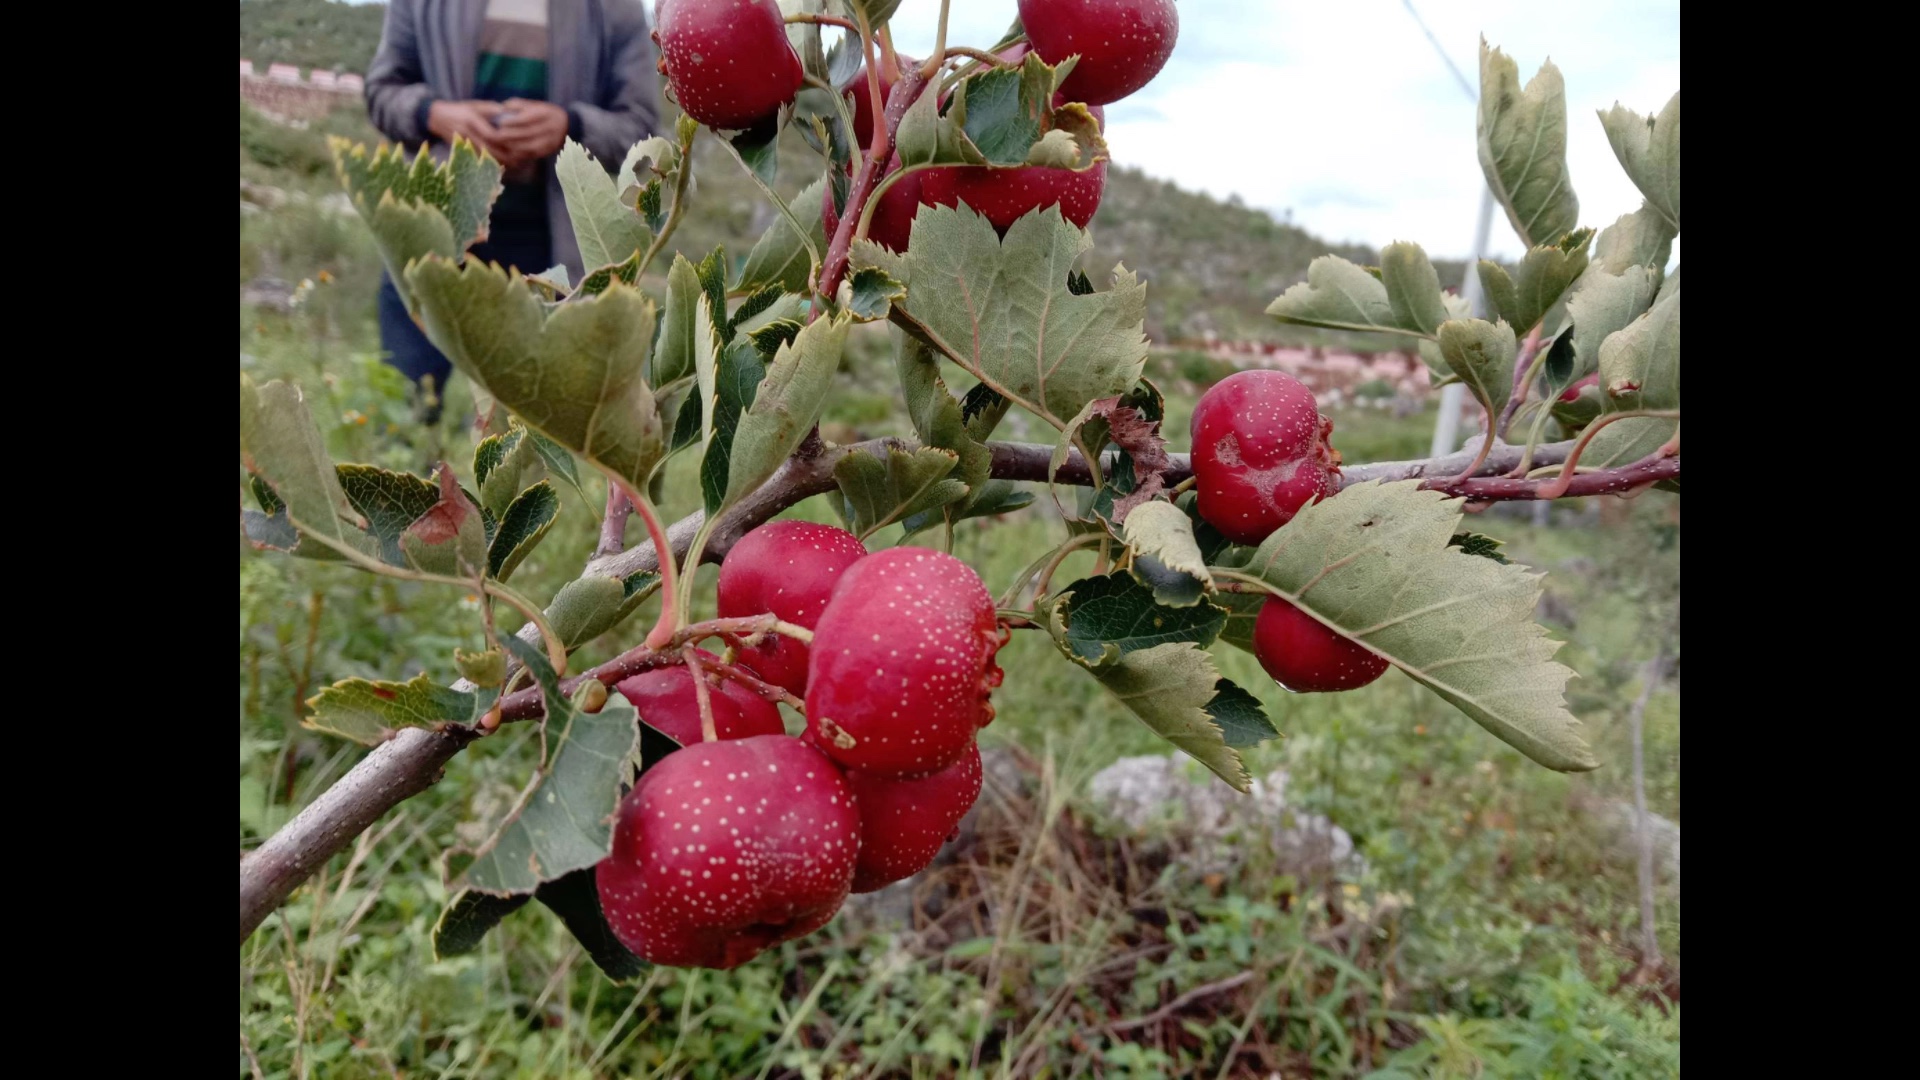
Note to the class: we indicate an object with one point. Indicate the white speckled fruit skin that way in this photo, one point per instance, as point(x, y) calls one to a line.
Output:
point(729, 61)
point(726, 848)
point(787, 569)
point(1122, 44)
point(902, 663)
point(904, 823)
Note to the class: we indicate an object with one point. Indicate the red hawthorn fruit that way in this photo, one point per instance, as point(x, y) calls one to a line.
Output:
point(892, 224)
point(1572, 393)
point(1122, 44)
point(902, 664)
point(1003, 196)
point(730, 63)
point(903, 823)
point(1303, 655)
point(726, 848)
point(1260, 453)
point(668, 702)
point(788, 569)
point(863, 100)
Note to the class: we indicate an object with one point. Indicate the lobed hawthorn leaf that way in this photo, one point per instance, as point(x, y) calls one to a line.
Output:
point(1640, 369)
point(574, 375)
point(280, 444)
point(758, 147)
point(527, 521)
point(1241, 718)
point(500, 464)
point(585, 608)
point(961, 426)
point(1642, 238)
point(875, 493)
point(757, 303)
point(1472, 543)
point(871, 293)
point(1377, 565)
point(370, 711)
point(1404, 297)
point(1545, 273)
point(389, 502)
point(1522, 140)
point(597, 281)
point(1102, 619)
point(1482, 355)
point(1648, 148)
point(608, 229)
point(648, 162)
point(991, 499)
point(486, 668)
point(1002, 309)
point(737, 379)
point(450, 538)
point(1600, 305)
point(575, 897)
point(785, 407)
point(768, 339)
point(1166, 556)
point(779, 257)
point(555, 281)
point(464, 924)
point(564, 822)
point(681, 324)
point(558, 460)
point(418, 208)
point(1170, 688)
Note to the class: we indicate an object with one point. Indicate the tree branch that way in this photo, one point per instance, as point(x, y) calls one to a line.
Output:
point(412, 760)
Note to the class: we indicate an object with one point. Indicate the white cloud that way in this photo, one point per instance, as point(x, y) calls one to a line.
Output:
point(1345, 114)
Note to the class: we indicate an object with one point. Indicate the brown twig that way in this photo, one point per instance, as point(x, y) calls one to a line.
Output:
point(613, 527)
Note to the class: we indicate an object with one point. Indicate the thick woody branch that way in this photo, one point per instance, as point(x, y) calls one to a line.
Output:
point(412, 761)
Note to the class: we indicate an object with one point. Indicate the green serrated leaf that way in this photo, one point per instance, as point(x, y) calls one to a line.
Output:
point(1376, 564)
point(1640, 369)
point(596, 281)
point(389, 502)
point(1402, 297)
point(485, 668)
point(608, 230)
point(450, 538)
point(558, 460)
point(1002, 309)
point(585, 608)
point(871, 293)
point(1169, 687)
point(646, 163)
point(759, 150)
point(785, 406)
point(467, 919)
point(681, 325)
point(280, 444)
point(1545, 273)
point(500, 465)
point(526, 522)
point(1167, 559)
point(1522, 139)
point(1642, 238)
point(564, 821)
point(419, 207)
point(1649, 150)
point(736, 383)
point(1239, 715)
point(369, 711)
point(1472, 543)
point(574, 375)
point(1482, 355)
point(779, 257)
point(1601, 304)
point(875, 493)
point(768, 340)
point(1102, 619)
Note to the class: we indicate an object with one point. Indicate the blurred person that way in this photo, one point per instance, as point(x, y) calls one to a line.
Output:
point(517, 78)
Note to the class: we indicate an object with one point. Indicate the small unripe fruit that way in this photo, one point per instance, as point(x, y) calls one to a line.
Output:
point(892, 224)
point(787, 569)
point(902, 665)
point(668, 703)
point(904, 822)
point(730, 63)
point(1304, 655)
point(726, 848)
point(1122, 44)
point(1260, 453)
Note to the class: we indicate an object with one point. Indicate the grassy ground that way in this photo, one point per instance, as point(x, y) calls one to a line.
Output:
point(1487, 936)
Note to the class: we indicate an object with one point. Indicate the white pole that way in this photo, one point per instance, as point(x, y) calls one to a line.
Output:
point(1446, 431)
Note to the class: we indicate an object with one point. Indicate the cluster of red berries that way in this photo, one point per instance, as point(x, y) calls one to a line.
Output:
point(1260, 453)
point(726, 848)
point(731, 66)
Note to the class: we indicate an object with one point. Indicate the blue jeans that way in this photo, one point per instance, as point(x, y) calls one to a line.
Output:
point(518, 238)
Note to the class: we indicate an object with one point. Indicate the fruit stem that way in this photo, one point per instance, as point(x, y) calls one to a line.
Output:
point(939, 45)
point(1050, 561)
point(1559, 487)
point(824, 20)
point(983, 56)
point(905, 92)
point(680, 181)
point(1532, 358)
point(776, 694)
point(701, 694)
point(787, 629)
point(669, 620)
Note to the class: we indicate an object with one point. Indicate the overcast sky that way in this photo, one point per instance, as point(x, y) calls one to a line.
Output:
point(1345, 114)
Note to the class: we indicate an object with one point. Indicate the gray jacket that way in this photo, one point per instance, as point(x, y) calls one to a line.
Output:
point(600, 67)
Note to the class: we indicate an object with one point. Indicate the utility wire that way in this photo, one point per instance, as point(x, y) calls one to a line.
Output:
point(1465, 85)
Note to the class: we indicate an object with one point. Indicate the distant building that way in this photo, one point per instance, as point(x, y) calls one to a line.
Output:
point(323, 79)
point(351, 83)
point(246, 67)
point(284, 73)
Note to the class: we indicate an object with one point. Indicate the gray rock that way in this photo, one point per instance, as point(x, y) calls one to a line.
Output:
point(1175, 798)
